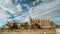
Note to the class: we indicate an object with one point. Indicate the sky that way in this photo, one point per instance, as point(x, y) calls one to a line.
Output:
point(20, 10)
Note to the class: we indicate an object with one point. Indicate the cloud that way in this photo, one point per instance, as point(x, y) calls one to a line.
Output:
point(35, 2)
point(14, 11)
point(45, 8)
point(19, 8)
point(22, 18)
point(7, 7)
point(3, 14)
point(28, 7)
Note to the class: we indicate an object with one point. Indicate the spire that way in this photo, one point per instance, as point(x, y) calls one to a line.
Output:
point(30, 17)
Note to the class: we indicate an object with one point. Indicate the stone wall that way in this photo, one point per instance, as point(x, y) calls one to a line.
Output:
point(34, 31)
point(58, 30)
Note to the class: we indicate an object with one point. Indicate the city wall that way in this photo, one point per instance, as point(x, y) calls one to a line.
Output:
point(34, 31)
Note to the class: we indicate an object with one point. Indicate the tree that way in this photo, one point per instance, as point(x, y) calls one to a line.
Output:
point(25, 25)
point(14, 26)
point(52, 23)
point(35, 26)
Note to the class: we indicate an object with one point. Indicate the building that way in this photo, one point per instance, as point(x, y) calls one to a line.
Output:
point(43, 22)
point(20, 25)
point(10, 23)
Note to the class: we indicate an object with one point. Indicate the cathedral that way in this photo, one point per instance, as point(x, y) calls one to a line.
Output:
point(43, 22)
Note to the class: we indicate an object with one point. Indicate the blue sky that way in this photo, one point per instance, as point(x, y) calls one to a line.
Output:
point(20, 10)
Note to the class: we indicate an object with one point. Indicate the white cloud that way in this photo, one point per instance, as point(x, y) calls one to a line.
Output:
point(26, 6)
point(49, 11)
point(7, 6)
point(19, 8)
point(23, 17)
point(14, 9)
point(44, 9)
point(3, 13)
point(7, 1)
point(35, 2)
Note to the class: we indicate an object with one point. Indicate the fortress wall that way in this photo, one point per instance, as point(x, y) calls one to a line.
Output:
point(34, 31)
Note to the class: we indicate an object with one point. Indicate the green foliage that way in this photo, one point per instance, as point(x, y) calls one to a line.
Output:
point(14, 26)
point(3, 25)
point(25, 25)
point(1, 28)
point(52, 23)
point(35, 25)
